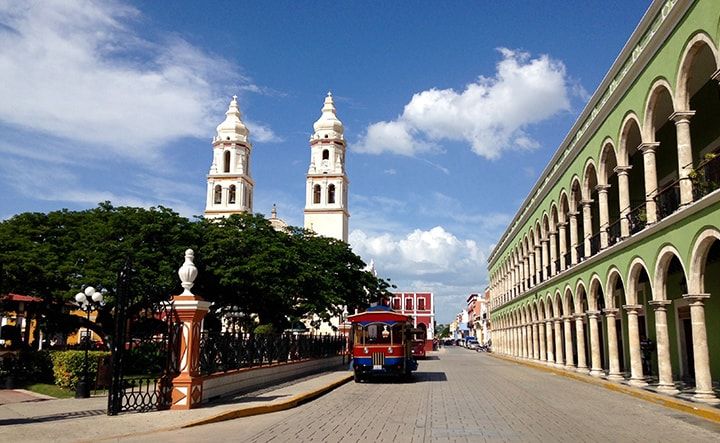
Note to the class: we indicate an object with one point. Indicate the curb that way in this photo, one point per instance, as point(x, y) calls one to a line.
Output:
point(265, 409)
point(699, 410)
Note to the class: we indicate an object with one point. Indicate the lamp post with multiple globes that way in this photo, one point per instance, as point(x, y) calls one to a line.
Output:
point(89, 300)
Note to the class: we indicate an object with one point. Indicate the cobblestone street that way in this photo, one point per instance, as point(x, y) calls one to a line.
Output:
point(461, 395)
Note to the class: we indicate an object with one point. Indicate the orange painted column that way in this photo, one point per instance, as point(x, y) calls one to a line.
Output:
point(190, 310)
point(187, 386)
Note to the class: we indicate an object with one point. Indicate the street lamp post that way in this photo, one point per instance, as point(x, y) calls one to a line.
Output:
point(88, 301)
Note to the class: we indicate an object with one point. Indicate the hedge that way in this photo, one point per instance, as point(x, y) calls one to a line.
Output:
point(68, 366)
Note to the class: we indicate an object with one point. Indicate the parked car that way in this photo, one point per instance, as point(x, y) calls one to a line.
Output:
point(472, 343)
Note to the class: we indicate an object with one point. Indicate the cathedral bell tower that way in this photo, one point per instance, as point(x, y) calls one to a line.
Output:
point(229, 185)
point(326, 208)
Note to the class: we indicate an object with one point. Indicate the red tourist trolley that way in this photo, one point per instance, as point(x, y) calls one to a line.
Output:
point(381, 343)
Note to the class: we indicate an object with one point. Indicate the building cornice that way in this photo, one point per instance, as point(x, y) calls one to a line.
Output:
point(657, 23)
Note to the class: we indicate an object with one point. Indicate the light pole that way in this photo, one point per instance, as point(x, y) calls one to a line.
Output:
point(88, 301)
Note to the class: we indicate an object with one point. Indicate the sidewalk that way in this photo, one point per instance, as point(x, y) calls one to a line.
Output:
point(86, 420)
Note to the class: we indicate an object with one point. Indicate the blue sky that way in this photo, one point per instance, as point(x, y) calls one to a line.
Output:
point(451, 111)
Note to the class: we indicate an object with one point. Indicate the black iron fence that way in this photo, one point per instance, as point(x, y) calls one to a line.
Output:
point(637, 218)
point(667, 200)
point(614, 233)
point(595, 244)
point(223, 352)
point(706, 177)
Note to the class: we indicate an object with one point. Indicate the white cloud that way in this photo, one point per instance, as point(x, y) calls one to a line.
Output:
point(433, 260)
point(491, 114)
point(77, 71)
point(262, 133)
point(421, 253)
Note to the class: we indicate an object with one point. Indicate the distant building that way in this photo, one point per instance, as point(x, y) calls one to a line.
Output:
point(421, 307)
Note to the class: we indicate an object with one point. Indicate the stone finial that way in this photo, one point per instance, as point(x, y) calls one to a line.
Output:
point(188, 272)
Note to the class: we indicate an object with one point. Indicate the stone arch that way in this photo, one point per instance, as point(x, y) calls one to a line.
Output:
point(549, 312)
point(614, 275)
point(630, 137)
point(564, 206)
point(698, 46)
point(698, 260)
point(595, 290)
point(581, 297)
point(665, 256)
point(567, 296)
point(541, 309)
point(557, 301)
point(659, 105)
point(590, 179)
point(575, 193)
point(608, 161)
point(554, 218)
point(636, 267)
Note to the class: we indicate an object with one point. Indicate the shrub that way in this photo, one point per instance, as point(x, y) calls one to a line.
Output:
point(147, 358)
point(264, 329)
point(68, 366)
point(35, 366)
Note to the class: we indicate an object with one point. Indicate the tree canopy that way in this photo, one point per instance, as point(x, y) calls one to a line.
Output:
point(242, 262)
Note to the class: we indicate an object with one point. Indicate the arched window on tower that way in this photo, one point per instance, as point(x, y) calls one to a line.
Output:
point(226, 163)
point(331, 194)
point(231, 195)
point(218, 195)
point(326, 154)
point(316, 194)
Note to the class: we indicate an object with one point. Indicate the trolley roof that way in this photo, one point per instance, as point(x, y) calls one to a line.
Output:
point(378, 314)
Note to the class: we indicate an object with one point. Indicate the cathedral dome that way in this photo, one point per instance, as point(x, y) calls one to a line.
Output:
point(328, 125)
point(232, 128)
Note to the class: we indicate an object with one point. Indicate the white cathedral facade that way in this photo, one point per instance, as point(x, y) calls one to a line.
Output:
point(230, 185)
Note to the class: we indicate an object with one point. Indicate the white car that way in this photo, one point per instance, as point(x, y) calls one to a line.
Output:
point(472, 344)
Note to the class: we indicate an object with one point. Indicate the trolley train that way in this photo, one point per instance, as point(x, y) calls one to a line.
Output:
point(382, 343)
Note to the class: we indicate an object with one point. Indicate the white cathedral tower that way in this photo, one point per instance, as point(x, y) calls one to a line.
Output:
point(326, 208)
point(229, 185)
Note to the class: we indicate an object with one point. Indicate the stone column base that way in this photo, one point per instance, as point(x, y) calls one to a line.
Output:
point(667, 389)
point(639, 382)
point(706, 397)
point(597, 372)
point(582, 369)
point(615, 377)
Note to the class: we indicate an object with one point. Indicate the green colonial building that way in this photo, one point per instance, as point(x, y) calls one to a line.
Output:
point(612, 264)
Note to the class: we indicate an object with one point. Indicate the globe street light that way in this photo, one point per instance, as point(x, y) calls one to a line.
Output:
point(88, 301)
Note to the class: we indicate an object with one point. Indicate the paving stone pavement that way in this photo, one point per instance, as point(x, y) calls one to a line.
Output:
point(464, 396)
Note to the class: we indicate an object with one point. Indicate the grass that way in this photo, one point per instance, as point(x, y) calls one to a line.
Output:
point(50, 389)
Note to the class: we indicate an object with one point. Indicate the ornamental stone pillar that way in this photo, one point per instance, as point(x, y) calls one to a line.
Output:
point(580, 335)
point(545, 261)
point(684, 154)
point(651, 184)
point(524, 338)
point(665, 378)
point(539, 264)
point(573, 237)
point(587, 227)
point(549, 339)
point(595, 364)
point(703, 382)
point(569, 360)
point(190, 309)
point(553, 253)
point(613, 357)
point(604, 214)
point(563, 245)
point(636, 370)
point(559, 360)
point(541, 337)
point(531, 274)
point(624, 197)
point(536, 341)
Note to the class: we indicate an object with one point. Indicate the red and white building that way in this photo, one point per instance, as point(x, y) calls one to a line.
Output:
point(421, 307)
